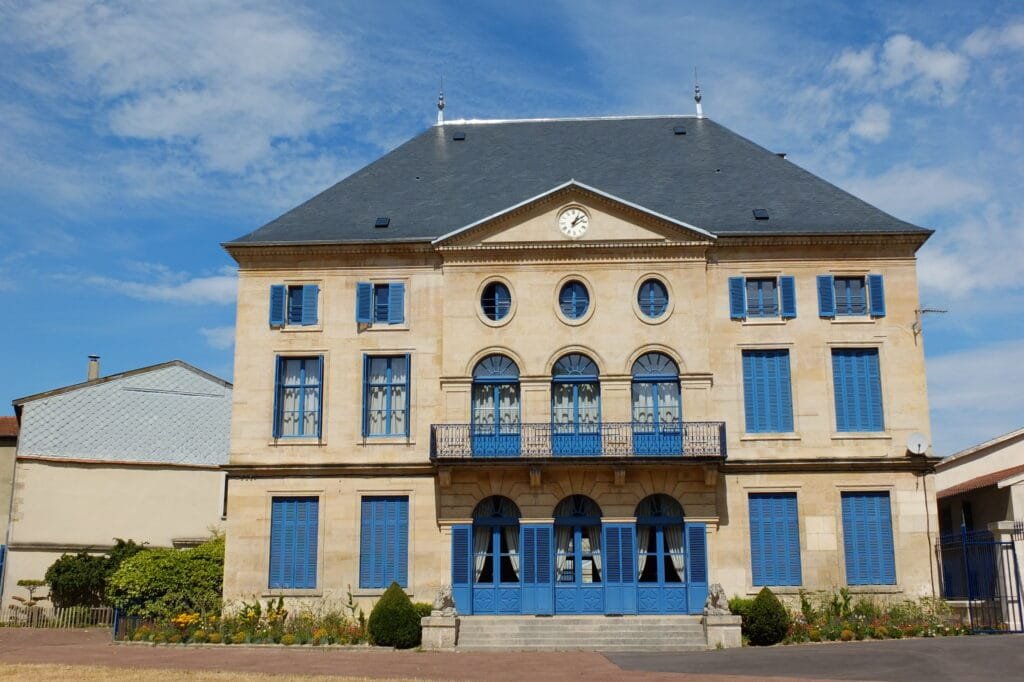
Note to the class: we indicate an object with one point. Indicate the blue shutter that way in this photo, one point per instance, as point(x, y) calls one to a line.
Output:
point(364, 303)
point(826, 296)
point(276, 417)
point(312, 540)
point(537, 567)
point(278, 293)
point(750, 391)
point(737, 298)
point(400, 557)
point(294, 536)
point(793, 573)
point(867, 539)
point(873, 380)
point(783, 387)
point(839, 389)
point(876, 289)
point(696, 566)
point(310, 294)
point(462, 568)
point(276, 543)
point(787, 286)
point(619, 563)
point(774, 539)
point(758, 539)
point(396, 303)
point(366, 544)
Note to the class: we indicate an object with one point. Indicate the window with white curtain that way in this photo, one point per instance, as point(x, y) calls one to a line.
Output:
point(386, 396)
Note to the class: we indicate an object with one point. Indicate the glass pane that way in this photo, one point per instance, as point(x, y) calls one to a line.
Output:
point(292, 374)
point(378, 370)
point(668, 404)
point(380, 302)
point(589, 405)
point(398, 370)
point(562, 407)
point(643, 403)
point(483, 405)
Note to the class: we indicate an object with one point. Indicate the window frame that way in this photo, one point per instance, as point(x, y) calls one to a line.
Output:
point(277, 424)
point(844, 302)
point(388, 386)
point(762, 310)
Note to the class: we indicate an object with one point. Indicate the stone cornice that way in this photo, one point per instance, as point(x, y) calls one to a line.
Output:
point(915, 239)
point(308, 469)
point(830, 464)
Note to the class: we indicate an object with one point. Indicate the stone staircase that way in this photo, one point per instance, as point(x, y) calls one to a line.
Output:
point(581, 633)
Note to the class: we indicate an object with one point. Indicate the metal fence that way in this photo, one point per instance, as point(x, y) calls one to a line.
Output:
point(70, 617)
point(984, 573)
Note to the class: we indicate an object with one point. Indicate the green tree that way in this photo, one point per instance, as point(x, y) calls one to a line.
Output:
point(767, 619)
point(81, 579)
point(394, 620)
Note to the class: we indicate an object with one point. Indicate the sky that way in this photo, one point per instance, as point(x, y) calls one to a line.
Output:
point(137, 136)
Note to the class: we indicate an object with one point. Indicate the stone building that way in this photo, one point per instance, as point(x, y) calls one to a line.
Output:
point(579, 366)
point(134, 455)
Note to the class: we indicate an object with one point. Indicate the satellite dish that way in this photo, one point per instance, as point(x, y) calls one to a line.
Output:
point(917, 443)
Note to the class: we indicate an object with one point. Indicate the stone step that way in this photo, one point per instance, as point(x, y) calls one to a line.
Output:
point(608, 648)
point(581, 633)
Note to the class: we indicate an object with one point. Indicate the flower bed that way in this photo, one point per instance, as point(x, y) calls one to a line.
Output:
point(830, 617)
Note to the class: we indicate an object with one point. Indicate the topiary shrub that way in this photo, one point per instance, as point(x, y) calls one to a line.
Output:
point(768, 619)
point(740, 606)
point(394, 620)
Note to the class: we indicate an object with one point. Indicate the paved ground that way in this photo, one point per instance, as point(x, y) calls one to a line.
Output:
point(996, 658)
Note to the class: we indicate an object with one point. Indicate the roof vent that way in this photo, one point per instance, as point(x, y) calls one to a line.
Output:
point(781, 155)
point(382, 221)
point(760, 214)
point(679, 130)
point(458, 135)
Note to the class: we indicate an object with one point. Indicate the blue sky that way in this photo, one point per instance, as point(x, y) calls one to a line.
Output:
point(137, 136)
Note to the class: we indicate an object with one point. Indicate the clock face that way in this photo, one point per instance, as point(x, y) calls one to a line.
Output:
point(573, 222)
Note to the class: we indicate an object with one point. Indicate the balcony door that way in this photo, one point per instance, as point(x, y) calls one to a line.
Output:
point(579, 575)
point(657, 408)
point(575, 407)
point(496, 411)
point(496, 558)
point(661, 556)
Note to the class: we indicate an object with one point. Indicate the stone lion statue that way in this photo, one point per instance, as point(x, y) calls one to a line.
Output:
point(717, 604)
point(444, 602)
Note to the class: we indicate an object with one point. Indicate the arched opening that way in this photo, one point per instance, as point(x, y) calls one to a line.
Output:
point(496, 407)
point(575, 406)
point(659, 534)
point(496, 542)
point(578, 560)
point(657, 408)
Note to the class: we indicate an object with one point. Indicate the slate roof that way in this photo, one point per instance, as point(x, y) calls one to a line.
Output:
point(170, 413)
point(710, 177)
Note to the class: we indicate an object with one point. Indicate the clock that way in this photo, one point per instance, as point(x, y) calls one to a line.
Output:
point(573, 222)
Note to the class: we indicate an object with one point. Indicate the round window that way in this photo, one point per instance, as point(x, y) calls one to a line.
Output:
point(574, 300)
point(652, 298)
point(496, 301)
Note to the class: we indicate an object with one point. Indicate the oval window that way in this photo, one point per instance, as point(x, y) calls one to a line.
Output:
point(496, 301)
point(652, 298)
point(574, 300)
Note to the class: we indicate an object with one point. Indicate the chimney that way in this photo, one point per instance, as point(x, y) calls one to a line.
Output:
point(94, 368)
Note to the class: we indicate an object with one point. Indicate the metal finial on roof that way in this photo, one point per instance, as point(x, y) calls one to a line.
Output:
point(697, 95)
point(440, 108)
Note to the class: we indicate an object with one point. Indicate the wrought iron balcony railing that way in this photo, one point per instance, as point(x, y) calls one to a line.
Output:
point(697, 440)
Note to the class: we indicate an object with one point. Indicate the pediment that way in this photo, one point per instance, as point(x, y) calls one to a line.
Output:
point(610, 221)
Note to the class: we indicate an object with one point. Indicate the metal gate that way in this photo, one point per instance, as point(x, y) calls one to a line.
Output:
point(983, 572)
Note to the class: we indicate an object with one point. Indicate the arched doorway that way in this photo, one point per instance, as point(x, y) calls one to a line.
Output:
point(657, 409)
point(579, 573)
point(496, 557)
point(496, 411)
point(661, 556)
point(575, 406)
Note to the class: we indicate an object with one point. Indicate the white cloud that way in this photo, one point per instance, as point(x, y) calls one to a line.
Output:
point(985, 41)
point(873, 123)
point(171, 287)
point(915, 193)
point(219, 337)
point(908, 65)
point(857, 65)
point(975, 394)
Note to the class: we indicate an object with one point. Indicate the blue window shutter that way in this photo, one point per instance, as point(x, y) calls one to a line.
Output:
point(750, 391)
point(366, 395)
point(401, 558)
point(276, 543)
point(839, 389)
point(364, 303)
point(696, 566)
point(312, 540)
point(887, 558)
point(867, 538)
point(408, 393)
point(366, 543)
point(784, 422)
point(276, 418)
point(755, 513)
point(787, 285)
point(310, 294)
point(462, 557)
point(396, 303)
point(619, 563)
point(737, 298)
point(278, 293)
point(826, 296)
point(876, 289)
point(876, 419)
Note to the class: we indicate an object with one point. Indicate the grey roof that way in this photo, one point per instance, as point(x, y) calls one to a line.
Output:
point(710, 177)
point(170, 413)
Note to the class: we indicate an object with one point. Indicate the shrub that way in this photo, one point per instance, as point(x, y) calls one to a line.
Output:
point(769, 620)
point(846, 635)
point(81, 579)
point(214, 638)
point(394, 621)
point(157, 583)
point(238, 638)
point(423, 608)
point(199, 636)
point(740, 606)
point(288, 639)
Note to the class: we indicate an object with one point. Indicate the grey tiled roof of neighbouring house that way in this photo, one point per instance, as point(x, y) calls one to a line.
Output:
point(710, 177)
point(171, 413)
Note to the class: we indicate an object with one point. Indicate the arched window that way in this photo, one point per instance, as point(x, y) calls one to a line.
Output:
point(659, 540)
point(657, 409)
point(496, 541)
point(577, 541)
point(652, 298)
point(575, 406)
point(574, 299)
point(496, 407)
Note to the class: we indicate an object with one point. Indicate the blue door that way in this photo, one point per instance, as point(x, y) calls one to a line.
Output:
point(537, 545)
point(575, 407)
point(496, 418)
point(657, 409)
point(579, 572)
point(620, 568)
point(496, 569)
point(661, 556)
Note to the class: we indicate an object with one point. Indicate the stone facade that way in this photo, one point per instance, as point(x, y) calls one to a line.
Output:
point(446, 334)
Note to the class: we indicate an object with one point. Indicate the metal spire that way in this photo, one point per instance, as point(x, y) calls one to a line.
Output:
point(697, 95)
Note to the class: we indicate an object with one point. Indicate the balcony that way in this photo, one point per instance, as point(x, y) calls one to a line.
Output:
point(624, 440)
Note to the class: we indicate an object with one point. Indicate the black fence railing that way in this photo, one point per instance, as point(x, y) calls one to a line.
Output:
point(704, 440)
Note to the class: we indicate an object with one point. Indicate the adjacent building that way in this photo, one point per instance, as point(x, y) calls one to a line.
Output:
point(579, 366)
point(134, 455)
point(982, 485)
